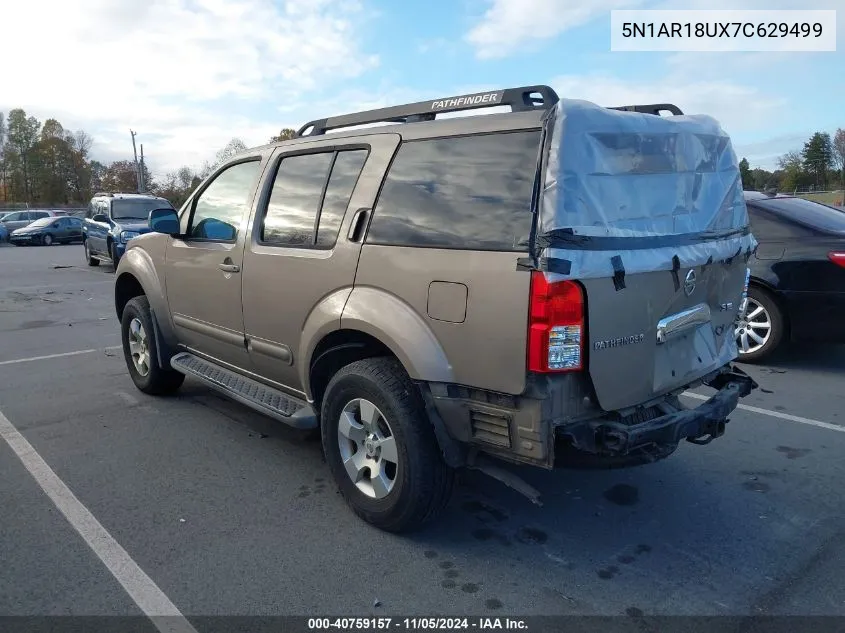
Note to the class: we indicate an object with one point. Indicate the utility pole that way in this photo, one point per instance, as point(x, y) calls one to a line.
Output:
point(137, 171)
point(143, 188)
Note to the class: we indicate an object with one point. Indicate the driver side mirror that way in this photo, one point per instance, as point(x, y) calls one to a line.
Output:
point(164, 221)
point(101, 217)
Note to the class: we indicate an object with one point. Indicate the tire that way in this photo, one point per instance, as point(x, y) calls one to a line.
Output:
point(761, 308)
point(421, 483)
point(113, 255)
point(137, 319)
point(91, 260)
point(47, 240)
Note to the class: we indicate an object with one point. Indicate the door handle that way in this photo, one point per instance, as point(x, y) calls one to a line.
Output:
point(229, 268)
point(356, 228)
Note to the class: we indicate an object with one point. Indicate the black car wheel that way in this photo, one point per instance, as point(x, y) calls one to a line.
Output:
point(92, 261)
point(140, 352)
point(381, 447)
point(760, 326)
point(47, 240)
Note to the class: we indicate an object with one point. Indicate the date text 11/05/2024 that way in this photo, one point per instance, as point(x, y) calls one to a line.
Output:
point(417, 624)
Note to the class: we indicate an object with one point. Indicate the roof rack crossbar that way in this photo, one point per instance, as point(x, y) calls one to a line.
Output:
point(519, 99)
point(652, 108)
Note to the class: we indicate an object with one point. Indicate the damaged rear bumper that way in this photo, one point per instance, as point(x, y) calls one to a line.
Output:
point(557, 424)
point(699, 425)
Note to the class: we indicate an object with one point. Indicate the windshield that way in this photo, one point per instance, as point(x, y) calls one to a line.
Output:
point(41, 222)
point(814, 214)
point(135, 209)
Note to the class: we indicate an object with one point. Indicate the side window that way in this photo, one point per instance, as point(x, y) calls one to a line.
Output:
point(15, 217)
point(304, 209)
point(471, 192)
point(90, 213)
point(219, 209)
point(345, 171)
point(37, 215)
point(295, 200)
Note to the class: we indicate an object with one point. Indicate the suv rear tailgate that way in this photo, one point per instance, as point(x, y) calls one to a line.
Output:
point(647, 213)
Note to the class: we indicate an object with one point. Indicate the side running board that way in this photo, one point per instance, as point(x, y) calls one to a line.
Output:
point(272, 402)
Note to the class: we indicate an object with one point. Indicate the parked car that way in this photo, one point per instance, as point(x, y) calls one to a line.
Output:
point(434, 293)
point(48, 231)
point(112, 220)
point(797, 290)
point(20, 219)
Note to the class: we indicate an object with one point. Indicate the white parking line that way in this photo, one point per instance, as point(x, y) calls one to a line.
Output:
point(776, 414)
point(62, 355)
point(140, 587)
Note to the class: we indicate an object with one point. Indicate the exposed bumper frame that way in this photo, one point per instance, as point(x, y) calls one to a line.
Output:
point(699, 425)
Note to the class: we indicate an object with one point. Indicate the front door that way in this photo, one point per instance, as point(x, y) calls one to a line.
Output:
point(300, 256)
point(97, 230)
point(203, 267)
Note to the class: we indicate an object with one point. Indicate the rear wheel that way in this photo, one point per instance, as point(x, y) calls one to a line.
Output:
point(140, 352)
point(381, 447)
point(91, 260)
point(760, 326)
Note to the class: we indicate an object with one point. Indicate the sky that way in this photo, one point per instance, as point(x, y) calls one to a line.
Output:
point(189, 75)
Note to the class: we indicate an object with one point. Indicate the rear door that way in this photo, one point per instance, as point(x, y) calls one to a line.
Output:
point(300, 249)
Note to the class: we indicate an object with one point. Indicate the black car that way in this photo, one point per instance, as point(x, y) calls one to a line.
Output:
point(49, 231)
point(797, 289)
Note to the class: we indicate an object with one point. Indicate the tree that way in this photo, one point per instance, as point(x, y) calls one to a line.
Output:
point(286, 134)
point(745, 174)
point(763, 180)
point(22, 134)
point(792, 171)
point(121, 177)
point(839, 154)
point(818, 157)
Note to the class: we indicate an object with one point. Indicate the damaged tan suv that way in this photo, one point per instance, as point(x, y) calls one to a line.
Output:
point(537, 286)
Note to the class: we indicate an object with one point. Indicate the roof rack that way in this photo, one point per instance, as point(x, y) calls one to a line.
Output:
point(519, 99)
point(654, 108)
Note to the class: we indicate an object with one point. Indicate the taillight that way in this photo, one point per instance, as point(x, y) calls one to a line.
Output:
point(556, 325)
point(837, 257)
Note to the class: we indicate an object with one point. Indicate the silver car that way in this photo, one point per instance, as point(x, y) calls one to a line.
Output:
point(19, 219)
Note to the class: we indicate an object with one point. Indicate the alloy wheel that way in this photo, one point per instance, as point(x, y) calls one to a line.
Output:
point(753, 328)
point(368, 448)
point(138, 347)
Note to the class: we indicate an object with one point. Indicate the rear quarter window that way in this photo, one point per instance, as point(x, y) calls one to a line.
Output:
point(471, 192)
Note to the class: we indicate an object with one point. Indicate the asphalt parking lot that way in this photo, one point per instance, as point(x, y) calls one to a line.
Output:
point(230, 513)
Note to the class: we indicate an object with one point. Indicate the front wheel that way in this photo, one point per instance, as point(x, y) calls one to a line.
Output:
point(92, 261)
point(140, 352)
point(760, 326)
point(115, 259)
point(47, 240)
point(381, 447)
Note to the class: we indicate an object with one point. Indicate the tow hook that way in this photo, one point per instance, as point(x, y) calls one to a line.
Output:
point(719, 431)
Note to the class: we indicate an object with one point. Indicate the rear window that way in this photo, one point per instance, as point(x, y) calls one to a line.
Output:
point(813, 214)
point(471, 192)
